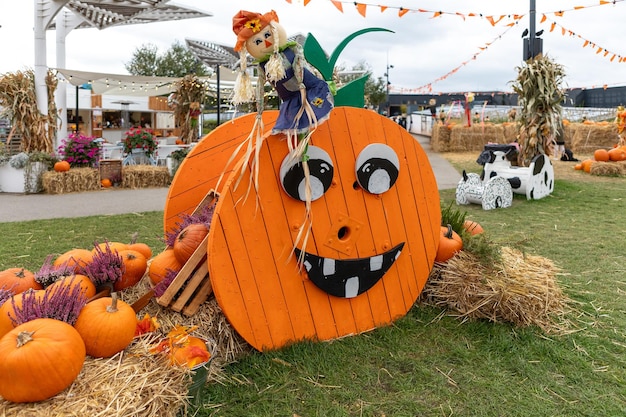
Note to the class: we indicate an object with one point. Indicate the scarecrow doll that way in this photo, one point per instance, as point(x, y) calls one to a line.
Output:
point(306, 99)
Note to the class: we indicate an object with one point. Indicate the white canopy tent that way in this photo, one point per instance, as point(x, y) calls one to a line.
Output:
point(66, 15)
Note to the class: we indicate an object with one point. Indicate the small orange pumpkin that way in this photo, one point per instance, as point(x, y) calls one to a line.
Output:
point(114, 246)
point(142, 248)
point(7, 311)
point(75, 258)
point(449, 244)
point(107, 326)
point(586, 165)
point(87, 286)
point(40, 359)
point(474, 228)
point(188, 241)
point(61, 166)
point(578, 167)
point(617, 154)
point(161, 263)
point(135, 267)
point(106, 183)
point(191, 352)
point(601, 155)
point(18, 280)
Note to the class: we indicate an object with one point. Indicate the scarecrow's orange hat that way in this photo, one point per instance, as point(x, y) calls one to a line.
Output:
point(247, 24)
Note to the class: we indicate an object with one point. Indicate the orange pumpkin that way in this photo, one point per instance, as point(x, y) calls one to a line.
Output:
point(191, 353)
point(135, 267)
point(601, 155)
point(188, 241)
point(40, 359)
point(18, 280)
point(61, 166)
point(142, 248)
point(87, 286)
point(114, 246)
point(161, 263)
point(578, 167)
point(75, 259)
point(617, 154)
point(474, 228)
point(267, 298)
point(106, 183)
point(7, 311)
point(449, 244)
point(107, 326)
point(586, 165)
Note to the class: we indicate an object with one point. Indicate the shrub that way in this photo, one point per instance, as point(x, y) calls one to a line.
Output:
point(80, 150)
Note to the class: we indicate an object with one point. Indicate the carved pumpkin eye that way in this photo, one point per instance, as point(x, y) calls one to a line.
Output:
point(377, 168)
point(321, 174)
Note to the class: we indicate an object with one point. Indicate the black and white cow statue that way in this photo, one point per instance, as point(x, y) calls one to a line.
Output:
point(535, 181)
point(494, 193)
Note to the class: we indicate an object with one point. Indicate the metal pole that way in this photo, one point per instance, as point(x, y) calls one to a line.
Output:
point(532, 30)
point(76, 115)
point(219, 107)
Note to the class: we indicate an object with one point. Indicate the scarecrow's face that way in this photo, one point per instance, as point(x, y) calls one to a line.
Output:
point(375, 220)
point(262, 43)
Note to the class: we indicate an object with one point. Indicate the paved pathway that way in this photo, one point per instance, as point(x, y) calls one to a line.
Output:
point(23, 207)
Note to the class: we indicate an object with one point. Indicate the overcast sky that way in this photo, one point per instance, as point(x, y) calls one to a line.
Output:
point(424, 50)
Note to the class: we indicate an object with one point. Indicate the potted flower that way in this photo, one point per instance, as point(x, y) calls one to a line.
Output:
point(21, 173)
point(139, 140)
point(80, 150)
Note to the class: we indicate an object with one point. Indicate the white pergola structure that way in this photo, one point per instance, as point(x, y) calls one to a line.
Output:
point(66, 15)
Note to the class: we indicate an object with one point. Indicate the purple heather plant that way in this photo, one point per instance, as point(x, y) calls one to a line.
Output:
point(80, 150)
point(106, 267)
point(159, 289)
point(49, 274)
point(5, 294)
point(64, 304)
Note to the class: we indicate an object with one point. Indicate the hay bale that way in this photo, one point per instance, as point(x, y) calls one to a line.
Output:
point(440, 138)
point(519, 289)
point(474, 138)
point(609, 169)
point(586, 138)
point(72, 181)
point(145, 176)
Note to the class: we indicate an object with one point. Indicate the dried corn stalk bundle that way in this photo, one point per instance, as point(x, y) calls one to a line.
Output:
point(72, 181)
point(143, 176)
point(188, 101)
point(19, 100)
point(538, 86)
point(521, 289)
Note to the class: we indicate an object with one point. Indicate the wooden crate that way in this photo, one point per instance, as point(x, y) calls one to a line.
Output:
point(111, 169)
point(192, 285)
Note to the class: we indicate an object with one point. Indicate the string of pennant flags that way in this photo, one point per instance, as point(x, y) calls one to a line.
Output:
point(507, 20)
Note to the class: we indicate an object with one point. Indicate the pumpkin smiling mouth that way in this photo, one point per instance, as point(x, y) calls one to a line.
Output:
point(348, 278)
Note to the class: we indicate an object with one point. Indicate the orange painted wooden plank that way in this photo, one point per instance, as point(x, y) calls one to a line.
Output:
point(203, 166)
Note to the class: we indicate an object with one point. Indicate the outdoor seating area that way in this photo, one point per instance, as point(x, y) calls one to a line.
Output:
point(164, 148)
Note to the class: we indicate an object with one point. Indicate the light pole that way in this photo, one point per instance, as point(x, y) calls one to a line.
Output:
point(387, 104)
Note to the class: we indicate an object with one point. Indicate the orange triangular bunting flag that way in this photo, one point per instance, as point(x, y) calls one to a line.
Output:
point(383, 8)
point(613, 58)
point(604, 2)
point(558, 13)
point(437, 14)
point(543, 18)
point(402, 12)
point(362, 8)
point(586, 43)
point(578, 7)
point(562, 31)
point(338, 5)
point(306, 2)
point(552, 26)
point(599, 50)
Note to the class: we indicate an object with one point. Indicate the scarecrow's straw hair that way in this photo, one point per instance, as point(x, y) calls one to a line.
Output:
point(521, 289)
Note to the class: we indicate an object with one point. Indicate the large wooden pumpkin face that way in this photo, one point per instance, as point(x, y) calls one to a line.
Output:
point(375, 228)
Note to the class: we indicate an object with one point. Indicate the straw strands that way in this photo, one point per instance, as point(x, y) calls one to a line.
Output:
point(74, 180)
point(143, 176)
point(608, 168)
point(520, 289)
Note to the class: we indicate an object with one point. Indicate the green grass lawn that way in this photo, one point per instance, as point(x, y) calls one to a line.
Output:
point(429, 363)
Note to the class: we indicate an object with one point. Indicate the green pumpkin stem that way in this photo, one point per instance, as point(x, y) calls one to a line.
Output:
point(448, 233)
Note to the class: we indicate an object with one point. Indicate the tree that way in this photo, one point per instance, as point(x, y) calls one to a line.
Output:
point(177, 61)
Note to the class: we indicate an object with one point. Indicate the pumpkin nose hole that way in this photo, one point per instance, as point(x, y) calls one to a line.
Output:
point(356, 185)
point(343, 233)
